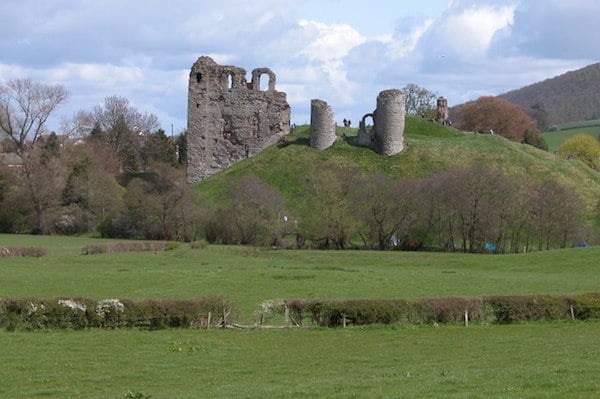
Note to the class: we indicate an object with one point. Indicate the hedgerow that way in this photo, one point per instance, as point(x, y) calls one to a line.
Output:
point(82, 313)
point(35, 252)
point(453, 310)
point(128, 246)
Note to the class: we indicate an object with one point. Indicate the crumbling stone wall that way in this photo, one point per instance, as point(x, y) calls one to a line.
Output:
point(386, 136)
point(322, 125)
point(442, 111)
point(230, 119)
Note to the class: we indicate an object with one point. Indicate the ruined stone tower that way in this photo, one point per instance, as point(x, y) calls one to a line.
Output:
point(322, 125)
point(442, 111)
point(386, 136)
point(230, 119)
point(388, 120)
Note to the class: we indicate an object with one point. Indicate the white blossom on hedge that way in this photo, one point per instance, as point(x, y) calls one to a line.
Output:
point(71, 304)
point(33, 308)
point(109, 305)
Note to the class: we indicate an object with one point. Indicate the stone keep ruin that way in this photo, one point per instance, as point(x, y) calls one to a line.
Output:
point(230, 119)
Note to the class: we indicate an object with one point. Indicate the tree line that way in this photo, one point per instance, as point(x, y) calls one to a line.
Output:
point(118, 175)
point(473, 209)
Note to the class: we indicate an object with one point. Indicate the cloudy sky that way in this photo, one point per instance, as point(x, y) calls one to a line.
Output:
point(341, 51)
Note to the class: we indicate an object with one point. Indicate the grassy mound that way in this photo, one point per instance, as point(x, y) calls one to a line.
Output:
point(430, 147)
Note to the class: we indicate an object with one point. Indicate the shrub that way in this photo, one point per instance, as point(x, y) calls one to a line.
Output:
point(80, 313)
point(498, 309)
point(128, 246)
point(512, 308)
point(34, 252)
point(585, 306)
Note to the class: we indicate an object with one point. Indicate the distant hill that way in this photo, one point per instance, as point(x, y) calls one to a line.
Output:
point(573, 96)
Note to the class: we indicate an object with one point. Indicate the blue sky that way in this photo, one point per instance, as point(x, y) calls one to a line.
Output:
point(341, 51)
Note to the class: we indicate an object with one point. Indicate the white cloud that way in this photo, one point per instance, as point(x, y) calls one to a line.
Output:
point(552, 29)
point(465, 32)
point(460, 49)
point(100, 75)
point(327, 42)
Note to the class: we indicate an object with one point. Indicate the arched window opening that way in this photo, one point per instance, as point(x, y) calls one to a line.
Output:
point(198, 77)
point(264, 81)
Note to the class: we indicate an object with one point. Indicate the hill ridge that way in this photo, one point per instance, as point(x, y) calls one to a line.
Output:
point(569, 97)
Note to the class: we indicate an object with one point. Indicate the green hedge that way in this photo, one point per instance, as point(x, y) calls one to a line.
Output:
point(491, 309)
point(81, 313)
point(35, 252)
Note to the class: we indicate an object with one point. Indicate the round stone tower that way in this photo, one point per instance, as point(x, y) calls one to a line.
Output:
point(389, 122)
point(322, 125)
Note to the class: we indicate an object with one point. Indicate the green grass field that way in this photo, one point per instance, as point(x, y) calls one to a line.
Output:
point(554, 139)
point(249, 276)
point(536, 360)
point(549, 360)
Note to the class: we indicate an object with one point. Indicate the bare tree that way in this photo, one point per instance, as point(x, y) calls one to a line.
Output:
point(25, 106)
point(115, 108)
point(80, 124)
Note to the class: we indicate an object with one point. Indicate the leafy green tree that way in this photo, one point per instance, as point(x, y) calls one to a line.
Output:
point(181, 148)
point(158, 148)
point(582, 147)
point(418, 100)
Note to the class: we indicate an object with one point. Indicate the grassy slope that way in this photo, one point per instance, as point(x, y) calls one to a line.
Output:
point(430, 148)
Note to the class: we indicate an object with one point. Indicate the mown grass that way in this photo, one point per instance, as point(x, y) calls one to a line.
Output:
point(248, 276)
point(430, 147)
point(549, 360)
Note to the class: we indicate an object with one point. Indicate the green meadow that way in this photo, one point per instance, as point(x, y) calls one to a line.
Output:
point(512, 361)
point(533, 360)
point(554, 139)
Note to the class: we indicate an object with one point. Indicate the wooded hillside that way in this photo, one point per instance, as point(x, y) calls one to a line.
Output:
point(573, 96)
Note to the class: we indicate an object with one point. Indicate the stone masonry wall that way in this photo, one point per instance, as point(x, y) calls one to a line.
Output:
point(389, 122)
point(230, 119)
point(322, 125)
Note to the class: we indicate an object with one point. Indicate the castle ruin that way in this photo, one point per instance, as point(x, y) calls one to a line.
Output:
point(386, 136)
point(442, 111)
point(322, 125)
point(230, 119)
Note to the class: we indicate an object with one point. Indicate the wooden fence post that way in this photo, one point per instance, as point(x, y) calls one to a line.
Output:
point(572, 313)
point(208, 320)
point(466, 318)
